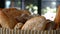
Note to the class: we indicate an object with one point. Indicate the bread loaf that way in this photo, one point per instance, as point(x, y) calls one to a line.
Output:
point(50, 25)
point(57, 17)
point(7, 22)
point(17, 14)
point(36, 23)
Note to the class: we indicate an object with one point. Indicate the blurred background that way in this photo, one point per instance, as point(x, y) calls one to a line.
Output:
point(45, 8)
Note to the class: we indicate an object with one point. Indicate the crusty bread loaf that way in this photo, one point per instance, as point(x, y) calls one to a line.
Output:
point(57, 17)
point(7, 22)
point(18, 26)
point(50, 25)
point(36, 23)
point(17, 14)
point(0, 10)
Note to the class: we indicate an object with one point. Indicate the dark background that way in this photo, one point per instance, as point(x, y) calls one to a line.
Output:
point(2, 3)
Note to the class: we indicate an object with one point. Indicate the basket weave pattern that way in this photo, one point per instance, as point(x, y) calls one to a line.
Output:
point(17, 31)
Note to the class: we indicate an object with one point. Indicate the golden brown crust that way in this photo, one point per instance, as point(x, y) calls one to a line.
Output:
point(16, 14)
point(36, 23)
point(57, 18)
point(7, 22)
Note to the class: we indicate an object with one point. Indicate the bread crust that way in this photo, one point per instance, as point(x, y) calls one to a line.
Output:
point(36, 23)
point(17, 14)
point(7, 22)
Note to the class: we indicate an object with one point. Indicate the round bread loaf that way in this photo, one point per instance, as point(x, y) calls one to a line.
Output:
point(36, 23)
point(7, 22)
point(18, 15)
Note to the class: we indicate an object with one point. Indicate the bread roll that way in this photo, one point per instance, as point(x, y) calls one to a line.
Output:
point(36, 23)
point(18, 26)
point(7, 22)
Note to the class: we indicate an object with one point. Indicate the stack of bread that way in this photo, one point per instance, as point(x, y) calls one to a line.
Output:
point(12, 18)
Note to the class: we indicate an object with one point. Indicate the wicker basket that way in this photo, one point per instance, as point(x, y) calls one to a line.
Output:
point(17, 31)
